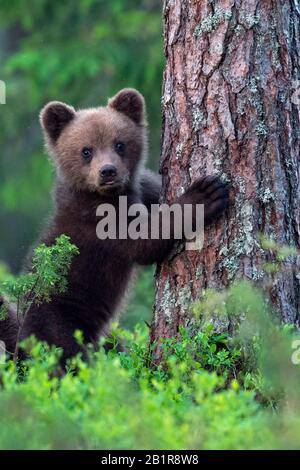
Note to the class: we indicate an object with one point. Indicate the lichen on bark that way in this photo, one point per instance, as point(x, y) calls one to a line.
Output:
point(229, 109)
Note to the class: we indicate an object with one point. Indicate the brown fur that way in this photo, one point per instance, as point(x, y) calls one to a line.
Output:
point(9, 329)
point(98, 129)
point(100, 274)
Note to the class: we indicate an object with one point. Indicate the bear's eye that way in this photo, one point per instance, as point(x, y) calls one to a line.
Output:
point(87, 153)
point(120, 148)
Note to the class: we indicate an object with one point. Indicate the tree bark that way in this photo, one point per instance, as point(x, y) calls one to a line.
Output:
point(231, 107)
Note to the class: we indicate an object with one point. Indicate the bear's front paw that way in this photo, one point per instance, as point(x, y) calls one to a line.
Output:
point(210, 191)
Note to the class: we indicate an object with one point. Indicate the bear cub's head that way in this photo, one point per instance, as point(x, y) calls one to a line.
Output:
point(98, 149)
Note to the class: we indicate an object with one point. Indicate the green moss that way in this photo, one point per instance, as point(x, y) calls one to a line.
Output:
point(255, 101)
point(275, 45)
point(257, 274)
point(241, 105)
point(199, 119)
point(244, 242)
point(248, 20)
point(266, 196)
point(260, 50)
point(231, 264)
point(184, 297)
point(212, 21)
point(199, 271)
point(261, 129)
point(179, 149)
point(167, 302)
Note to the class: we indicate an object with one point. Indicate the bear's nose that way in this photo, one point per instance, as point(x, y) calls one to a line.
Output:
point(108, 172)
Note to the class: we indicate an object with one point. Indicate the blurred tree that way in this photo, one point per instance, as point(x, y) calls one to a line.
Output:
point(230, 107)
point(140, 302)
point(80, 53)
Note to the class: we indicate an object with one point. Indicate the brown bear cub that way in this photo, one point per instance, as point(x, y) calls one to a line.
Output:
point(99, 155)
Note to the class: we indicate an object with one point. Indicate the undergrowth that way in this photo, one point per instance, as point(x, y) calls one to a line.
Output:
point(212, 389)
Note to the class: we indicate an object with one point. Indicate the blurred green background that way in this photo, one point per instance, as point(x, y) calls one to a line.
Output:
point(81, 53)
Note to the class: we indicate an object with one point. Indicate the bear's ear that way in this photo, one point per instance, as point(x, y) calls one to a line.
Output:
point(54, 117)
point(131, 103)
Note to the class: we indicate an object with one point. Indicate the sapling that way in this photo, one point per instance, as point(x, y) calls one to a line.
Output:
point(48, 276)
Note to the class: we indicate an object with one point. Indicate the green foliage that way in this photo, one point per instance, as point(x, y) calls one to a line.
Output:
point(140, 303)
point(266, 365)
point(203, 350)
point(119, 401)
point(278, 253)
point(48, 275)
point(88, 410)
point(4, 271)
point(50, 266)
point(210, 390)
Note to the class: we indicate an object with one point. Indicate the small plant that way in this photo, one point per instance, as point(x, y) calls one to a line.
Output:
point(205, 349)
point(212, 390)
point(280, 255)
point(50, 267)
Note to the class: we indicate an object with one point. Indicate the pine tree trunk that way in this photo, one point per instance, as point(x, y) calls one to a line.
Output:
point(231, 107)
